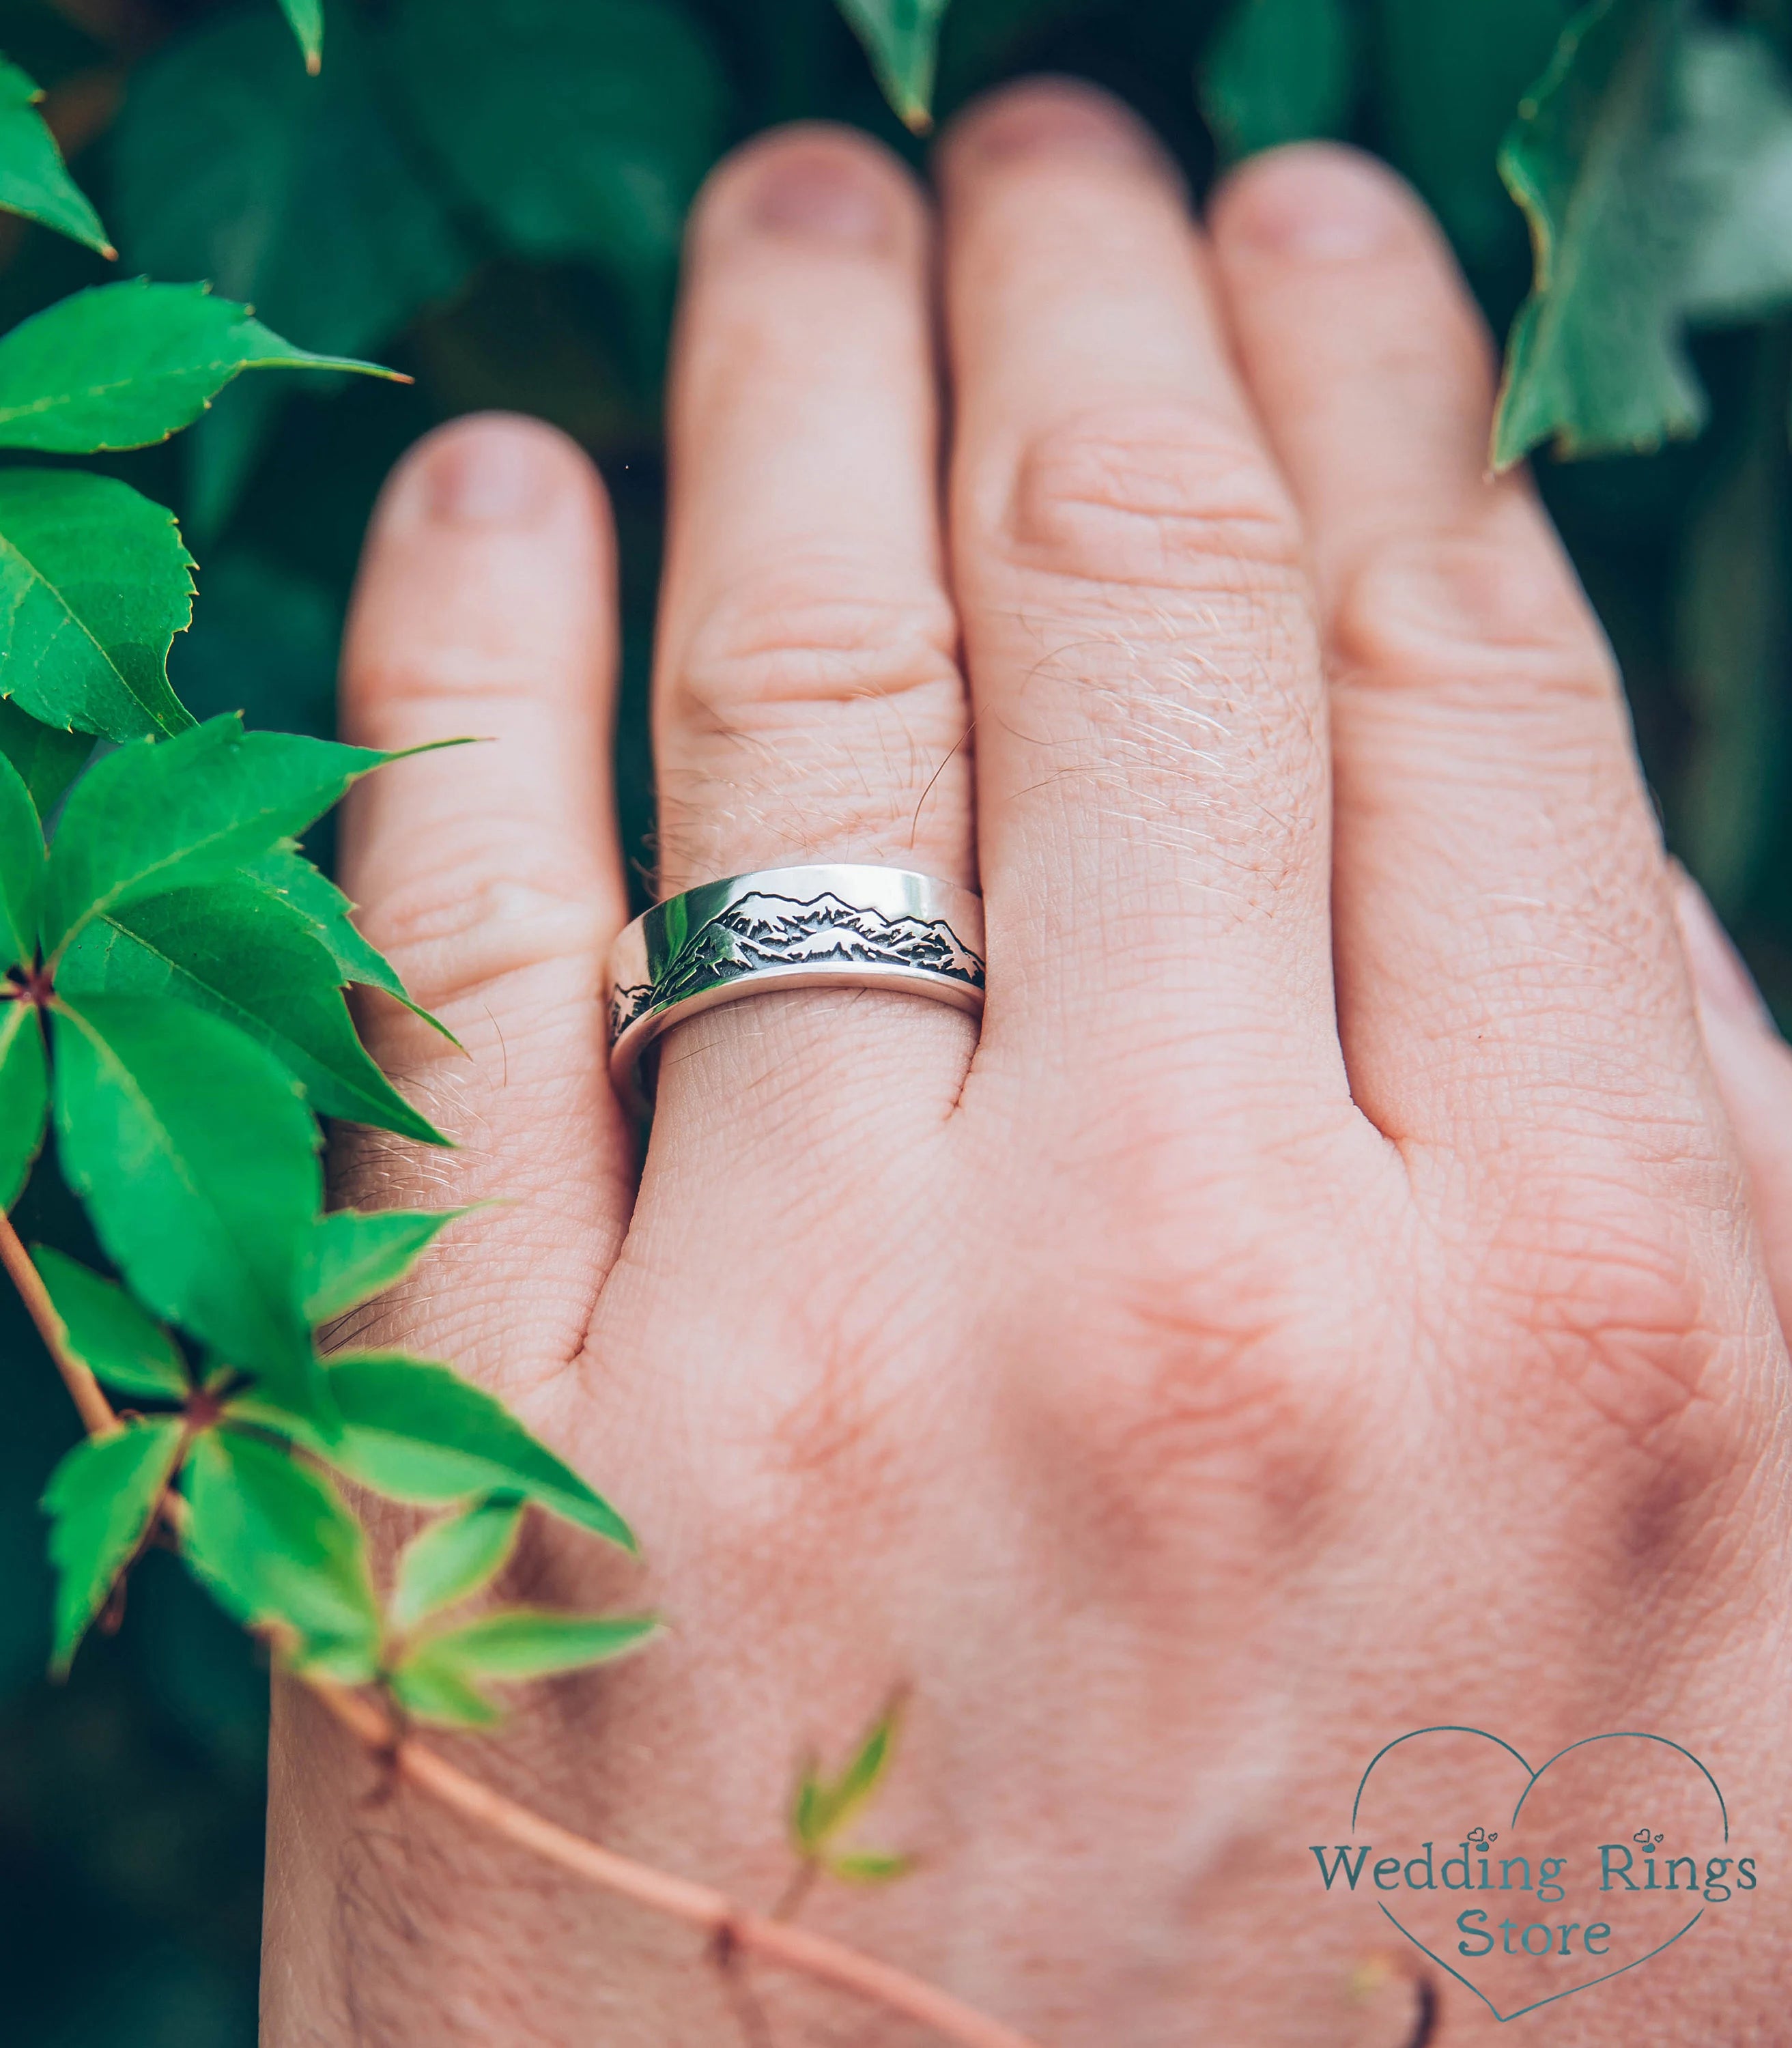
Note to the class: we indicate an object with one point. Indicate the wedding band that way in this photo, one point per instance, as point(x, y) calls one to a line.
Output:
point(821, 927)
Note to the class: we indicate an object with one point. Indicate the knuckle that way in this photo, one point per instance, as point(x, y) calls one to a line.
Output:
point(1207, 1434)
point(1164, 494)
point(1204, 1389)
point(465, 674)
point(493, 904)
point(1468, 611)
point(794, 720)
point(795, 640)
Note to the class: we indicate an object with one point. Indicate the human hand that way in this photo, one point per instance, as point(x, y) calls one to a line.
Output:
point(1327, 1299)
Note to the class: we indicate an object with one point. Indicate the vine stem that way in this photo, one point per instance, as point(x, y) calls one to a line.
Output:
point(731, 1930)
point(94, 1409)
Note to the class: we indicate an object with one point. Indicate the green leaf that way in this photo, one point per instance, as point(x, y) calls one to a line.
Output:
point(291, 194)
point(33, 178)
point(25, 1095)
point(22, 870)
point(1592, 359)
point(808, 1814)
point(1647, 162)
point(287, 872)
point(47, 758)
point(434, 1689)
point(94, 584)
point(355, 1254)
point(579, 131)
point(438, 1680)
point(277, 1544)
point(121, 365)
point(230, 947)
point(869, 1867)
point(152, 818)
point(307, 19)
point(452, 1559)
point(901, 39)
point(824, 1806)
point(104, 1497)
point(418, 1431)
point(1447, 82)
point(1279, 71)
point(109, 1333)
point(536, 1643)
point(198, 1165)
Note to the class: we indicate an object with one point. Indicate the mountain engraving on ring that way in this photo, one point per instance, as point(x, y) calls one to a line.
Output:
point(763, 931)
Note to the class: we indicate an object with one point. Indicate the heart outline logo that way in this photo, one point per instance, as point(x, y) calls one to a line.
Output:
point(1532, 1778)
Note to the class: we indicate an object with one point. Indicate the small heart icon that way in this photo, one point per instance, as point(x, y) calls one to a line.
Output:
point(1567, 1891)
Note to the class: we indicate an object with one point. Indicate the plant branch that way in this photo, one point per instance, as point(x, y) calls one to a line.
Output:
point(802, 1882)
point(94, 1409)
point(731, 1930)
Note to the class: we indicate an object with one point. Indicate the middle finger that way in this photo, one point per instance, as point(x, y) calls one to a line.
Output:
point(1152, 758)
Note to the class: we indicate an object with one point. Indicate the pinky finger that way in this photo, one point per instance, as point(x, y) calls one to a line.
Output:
point(490, 876)
point(1753, 1065)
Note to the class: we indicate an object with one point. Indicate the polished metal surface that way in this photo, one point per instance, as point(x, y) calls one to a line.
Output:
point(820, 927)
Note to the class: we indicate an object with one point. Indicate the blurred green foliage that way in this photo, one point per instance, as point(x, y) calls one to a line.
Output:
point(487, 194)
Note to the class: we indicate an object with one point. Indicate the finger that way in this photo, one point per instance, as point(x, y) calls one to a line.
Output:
point(1503, 930)
point(1753, 1064)
point(1151, 758)
point(490, 873)
point(808, 703)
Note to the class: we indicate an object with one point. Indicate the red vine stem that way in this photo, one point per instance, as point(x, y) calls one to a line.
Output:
point(94, 1409)
point(732, 1932)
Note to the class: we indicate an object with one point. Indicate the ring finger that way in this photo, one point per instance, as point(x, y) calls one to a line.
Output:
point(808, 703)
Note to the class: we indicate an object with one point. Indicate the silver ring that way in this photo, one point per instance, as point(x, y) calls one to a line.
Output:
point(821, 927)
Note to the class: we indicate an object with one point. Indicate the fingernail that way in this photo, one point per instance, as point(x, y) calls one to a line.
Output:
point(1329, 208)
point(822, 194)
point(486, 474)
point(1720, 977)
point(1036, 122)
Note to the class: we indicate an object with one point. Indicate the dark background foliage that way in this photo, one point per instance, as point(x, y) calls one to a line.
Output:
point(486, 193)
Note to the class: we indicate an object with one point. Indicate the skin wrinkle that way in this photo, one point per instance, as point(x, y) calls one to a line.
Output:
point(842, 1409)
point(447, 947)
point(1407, 743)
point(1196, 487)
point(765, 1066)
point(1458, 598)
point(798, 625)
point(1579, 1307)
point(839, 800)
